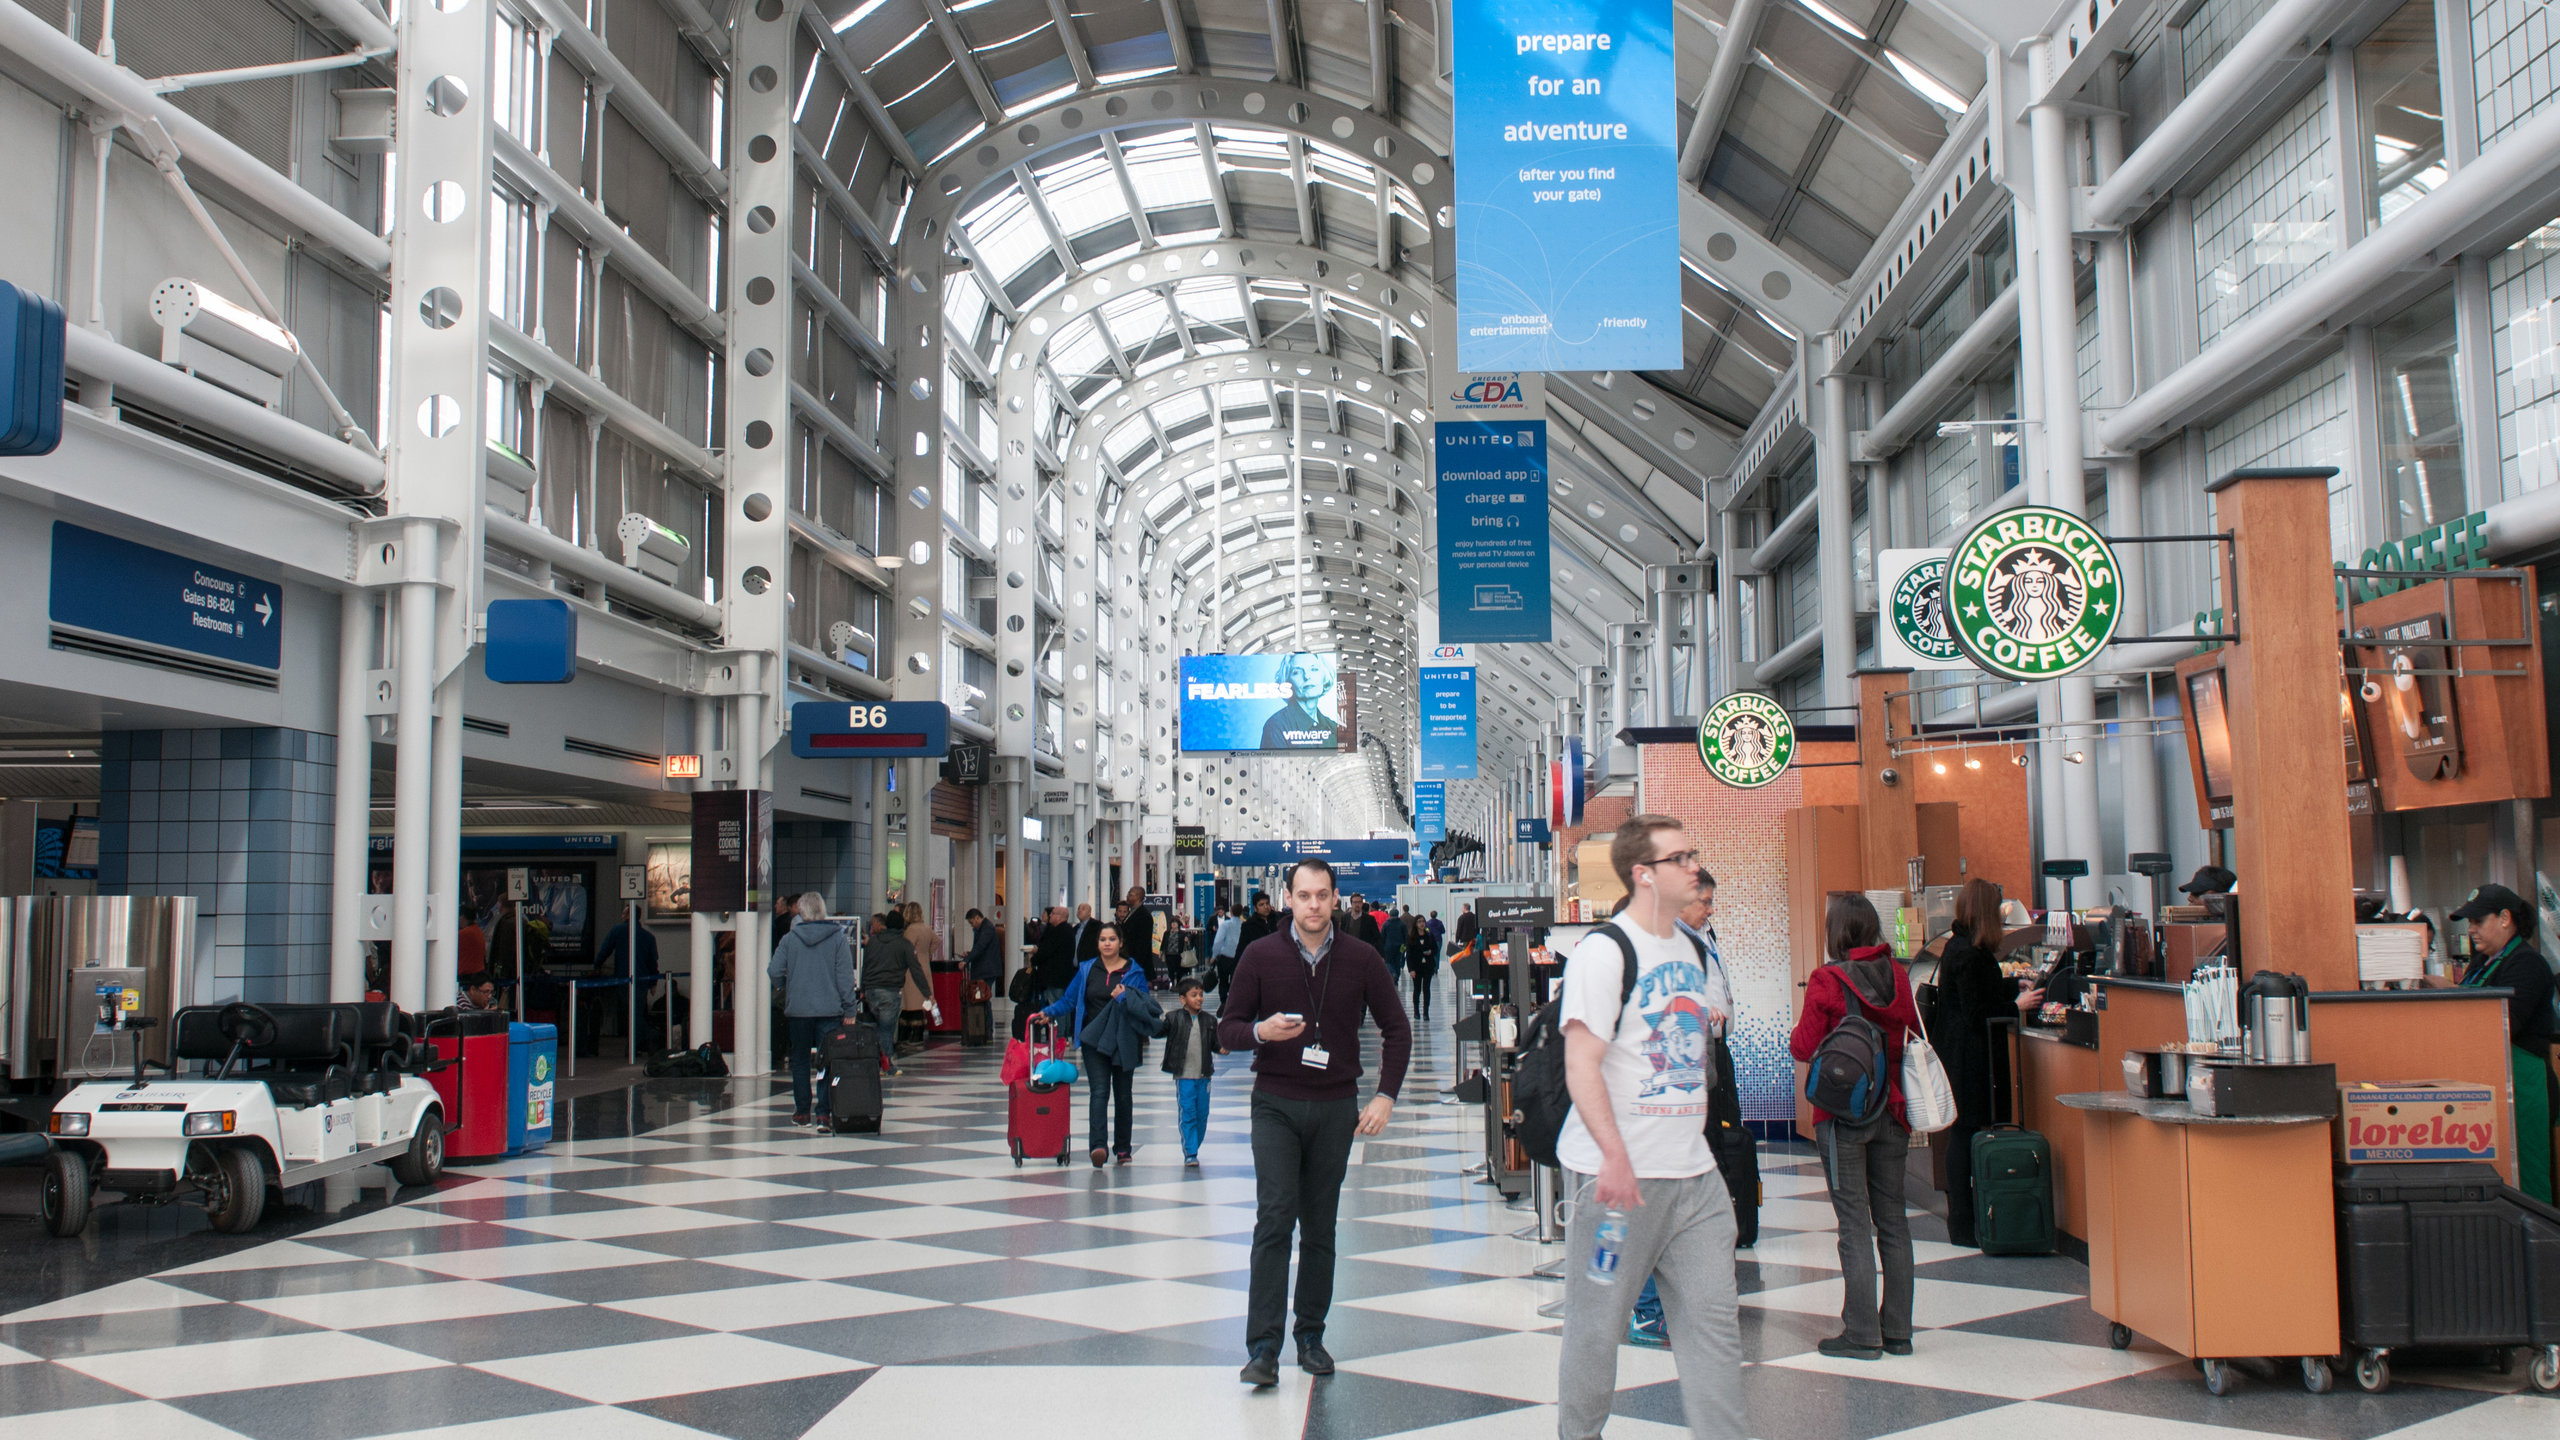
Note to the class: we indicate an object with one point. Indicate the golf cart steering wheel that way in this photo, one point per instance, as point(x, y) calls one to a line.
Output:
point(246, 1025)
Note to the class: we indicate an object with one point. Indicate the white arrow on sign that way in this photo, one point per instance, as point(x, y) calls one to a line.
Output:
point(266, 610)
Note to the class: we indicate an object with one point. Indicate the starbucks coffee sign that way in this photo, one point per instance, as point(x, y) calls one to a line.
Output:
point(2033, 593)
point(1912, 591)
point(1746, 740)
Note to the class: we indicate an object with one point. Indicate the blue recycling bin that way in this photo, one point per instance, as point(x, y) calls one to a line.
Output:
point(533, 1059)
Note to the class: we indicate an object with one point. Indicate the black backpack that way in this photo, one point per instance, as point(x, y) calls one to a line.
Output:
point(1539, 1097)
point(1847, 1076)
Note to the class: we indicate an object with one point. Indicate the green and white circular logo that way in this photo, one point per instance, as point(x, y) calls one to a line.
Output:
point(1746, 740)
point(2033, 593)
point(1918, 611)
point(541, 1069)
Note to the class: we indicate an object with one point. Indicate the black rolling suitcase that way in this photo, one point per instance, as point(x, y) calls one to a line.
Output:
point(977, 1014)
point(2013, 1191)
point(1736, 1149)
point(854, 1094)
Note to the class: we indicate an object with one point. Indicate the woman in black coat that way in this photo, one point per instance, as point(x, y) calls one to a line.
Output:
point(1971, 994)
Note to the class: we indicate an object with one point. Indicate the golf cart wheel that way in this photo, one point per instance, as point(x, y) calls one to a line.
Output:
point(425, 1158)
point(239, 1196)
point(2119, 1335)
point(2373, 1372)
point(66, 1192)
point(2217, 1377)
point(2317, 1377)
point(2545, 1370)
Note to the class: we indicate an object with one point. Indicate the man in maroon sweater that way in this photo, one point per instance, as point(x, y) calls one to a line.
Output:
point(1296, 1004)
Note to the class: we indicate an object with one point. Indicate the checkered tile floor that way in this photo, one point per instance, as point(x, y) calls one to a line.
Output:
point(679, 1269)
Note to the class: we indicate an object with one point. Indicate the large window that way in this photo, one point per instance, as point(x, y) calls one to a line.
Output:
point(2421, 419)
point(2397, 91)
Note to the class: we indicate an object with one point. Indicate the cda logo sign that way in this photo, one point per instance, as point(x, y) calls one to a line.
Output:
point(2033, 593)
point(1746, 740)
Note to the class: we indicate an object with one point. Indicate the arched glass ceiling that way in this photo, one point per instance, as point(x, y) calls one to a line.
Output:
point(1839, 102)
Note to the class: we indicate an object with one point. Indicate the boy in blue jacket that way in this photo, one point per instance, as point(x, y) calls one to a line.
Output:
point(1190, 1038)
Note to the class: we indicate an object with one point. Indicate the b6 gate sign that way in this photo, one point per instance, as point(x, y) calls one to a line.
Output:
point(2420, 1121)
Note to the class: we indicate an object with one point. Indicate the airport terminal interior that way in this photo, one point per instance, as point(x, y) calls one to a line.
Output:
point(516, 488)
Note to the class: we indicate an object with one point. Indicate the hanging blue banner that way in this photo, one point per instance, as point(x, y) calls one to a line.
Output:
point(1448, 723)
point(1566, 147)
point(1430, 811)
point(1492, 494)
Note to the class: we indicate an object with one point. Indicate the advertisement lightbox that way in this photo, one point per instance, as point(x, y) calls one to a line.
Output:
point(1267, 704)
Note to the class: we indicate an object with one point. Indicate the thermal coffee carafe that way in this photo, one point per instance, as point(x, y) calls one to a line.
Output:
point(2275, 1019)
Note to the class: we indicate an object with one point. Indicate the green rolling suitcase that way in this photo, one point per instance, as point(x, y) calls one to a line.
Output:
point(2013, 1191)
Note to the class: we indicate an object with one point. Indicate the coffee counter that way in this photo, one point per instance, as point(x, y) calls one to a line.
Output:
point(2370, 1035)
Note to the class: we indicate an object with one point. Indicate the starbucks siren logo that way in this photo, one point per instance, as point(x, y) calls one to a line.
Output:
point(1746, 740)
point(1919, 611)
point(2032, 593)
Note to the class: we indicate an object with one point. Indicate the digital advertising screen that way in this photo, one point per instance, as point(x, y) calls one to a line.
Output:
point(1266, 704)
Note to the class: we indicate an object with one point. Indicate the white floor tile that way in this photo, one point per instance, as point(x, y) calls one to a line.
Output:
point(958, 1192)
point(1504, 1304)
point(754, 1167)
point(1520, 1367)
point(1996, 1364)
point(2035, 1421)
point(481, 1190)
point(699, 1192)
point(838, 1262)
point(140, 1417)
point(537, 1167)
point(1788, 1185)
point(1219, 1190)
point(1820, 1249)
point(508, 1262)
point(1194, 1220)
point(593, 1422)
point(911, 1221)
point(614, 1374)
point(225, 1365)
point(754, 1307)
point(615, 1224)
point(1491, 1255)
point(1157, 1260)
point(1171, 1403)
point(2509, 1417)
point(1481, 1219)
point(390, 1217)
point(618, 1145)
point(1933, 1302)
point(120, 1299)
point(1140, 1305)
point(274, 1255)
point(407, 1304)
point(1538, 1422)
point(1811, 1213)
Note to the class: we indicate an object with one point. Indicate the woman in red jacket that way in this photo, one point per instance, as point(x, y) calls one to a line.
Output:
point(1864, 1162)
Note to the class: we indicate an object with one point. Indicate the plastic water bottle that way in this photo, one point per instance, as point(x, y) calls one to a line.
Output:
point(1604, 1254)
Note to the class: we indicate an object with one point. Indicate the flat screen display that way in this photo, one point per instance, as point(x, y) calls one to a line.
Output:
point(1266, 704)
point(2212, 727)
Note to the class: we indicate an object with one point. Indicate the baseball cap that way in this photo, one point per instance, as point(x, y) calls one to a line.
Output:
point(2491, 899)
point(2209, 880)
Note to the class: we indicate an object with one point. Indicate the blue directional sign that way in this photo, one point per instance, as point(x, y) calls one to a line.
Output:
point(1448, 722)
point(530, 642)
point(1531, 832)
point(1495, 586)
point(1566, 163)
point(109, 586)
point(870, 729)
point(1430, 811)
point(1281, 852)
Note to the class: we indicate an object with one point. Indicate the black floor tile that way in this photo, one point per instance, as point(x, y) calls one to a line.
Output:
point(777, 1410)
point(373, 1405)
point(531, 1332)
point(1345, 1406)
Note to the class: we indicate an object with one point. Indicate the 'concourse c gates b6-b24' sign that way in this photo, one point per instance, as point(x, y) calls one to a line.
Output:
point(2033, 593)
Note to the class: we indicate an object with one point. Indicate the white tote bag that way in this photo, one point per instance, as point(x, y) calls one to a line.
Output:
point(1928, 1101)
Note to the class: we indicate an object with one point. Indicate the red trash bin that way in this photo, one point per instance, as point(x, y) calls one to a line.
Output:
point(947, 985)
point(474, 1090)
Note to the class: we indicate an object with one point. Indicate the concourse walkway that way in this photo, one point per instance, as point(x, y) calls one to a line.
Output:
point(686, 1263)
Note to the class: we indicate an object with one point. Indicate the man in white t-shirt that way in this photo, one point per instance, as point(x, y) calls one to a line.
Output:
point(1637, 1064)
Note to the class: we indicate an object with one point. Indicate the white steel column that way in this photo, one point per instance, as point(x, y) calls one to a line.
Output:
point(353, 814)
point(2137, 755)
point(1835, 558)
point(444, 847)
point(2057, 311)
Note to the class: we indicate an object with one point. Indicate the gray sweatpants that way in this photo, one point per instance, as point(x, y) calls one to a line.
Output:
point(1682, 1235)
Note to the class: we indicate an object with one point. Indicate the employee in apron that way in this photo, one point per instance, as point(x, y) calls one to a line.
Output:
point(2503, 958)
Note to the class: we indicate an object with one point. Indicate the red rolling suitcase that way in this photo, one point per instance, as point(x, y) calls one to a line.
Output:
point(1037, 1119)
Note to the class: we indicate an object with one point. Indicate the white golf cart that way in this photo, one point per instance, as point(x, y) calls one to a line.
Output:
point(291, 1094)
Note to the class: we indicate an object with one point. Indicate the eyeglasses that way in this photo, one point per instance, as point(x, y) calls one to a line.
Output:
point(1685, 859)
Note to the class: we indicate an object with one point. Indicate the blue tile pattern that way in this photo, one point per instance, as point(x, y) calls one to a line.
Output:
point(242, 819)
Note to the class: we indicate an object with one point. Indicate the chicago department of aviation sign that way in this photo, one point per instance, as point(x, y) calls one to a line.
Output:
point(2033, 593)
point(1746, 740)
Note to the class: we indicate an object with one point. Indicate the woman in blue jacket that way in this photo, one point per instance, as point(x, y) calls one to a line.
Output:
point(1099, 984)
